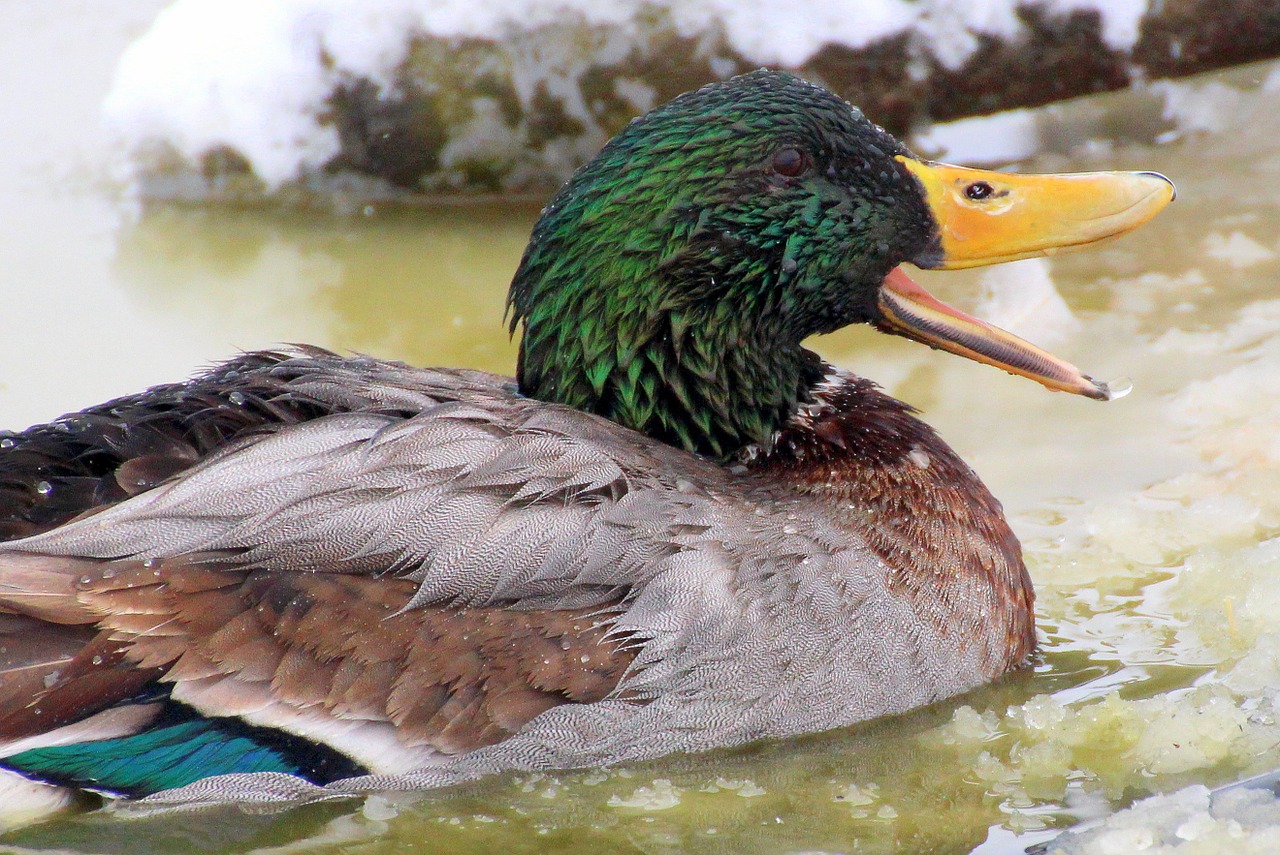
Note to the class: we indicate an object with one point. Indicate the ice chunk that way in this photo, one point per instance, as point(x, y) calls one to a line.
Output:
point(1236, 249)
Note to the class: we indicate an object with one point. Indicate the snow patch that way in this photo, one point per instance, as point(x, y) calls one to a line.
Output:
point(255, 77)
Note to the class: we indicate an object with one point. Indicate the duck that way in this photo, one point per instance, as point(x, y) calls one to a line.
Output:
point(675, 529)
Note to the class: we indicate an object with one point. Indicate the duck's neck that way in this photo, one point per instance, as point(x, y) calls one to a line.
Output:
point(698, 346)
point(918, 506)
point(707, 390)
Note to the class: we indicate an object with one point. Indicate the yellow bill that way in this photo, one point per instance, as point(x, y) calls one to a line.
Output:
point(987, 217)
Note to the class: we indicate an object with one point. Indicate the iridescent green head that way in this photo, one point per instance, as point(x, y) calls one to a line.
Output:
point(669, 285)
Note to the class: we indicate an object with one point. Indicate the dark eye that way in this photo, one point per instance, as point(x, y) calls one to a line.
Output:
point(979, 190)
point(790, 161)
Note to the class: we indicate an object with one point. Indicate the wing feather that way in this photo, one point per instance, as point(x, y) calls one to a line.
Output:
point(466, 499)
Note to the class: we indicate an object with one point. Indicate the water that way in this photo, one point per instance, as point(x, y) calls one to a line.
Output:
point(1147, 521)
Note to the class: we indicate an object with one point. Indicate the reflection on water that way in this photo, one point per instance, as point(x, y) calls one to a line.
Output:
point(425, 287)
point(1146, 520)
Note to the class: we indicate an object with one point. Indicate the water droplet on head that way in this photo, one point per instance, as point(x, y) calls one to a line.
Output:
point(236, 398)
point(44, 488)
point(7, 443)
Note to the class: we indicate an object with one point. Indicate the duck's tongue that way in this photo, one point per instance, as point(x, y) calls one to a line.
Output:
point(909, 310)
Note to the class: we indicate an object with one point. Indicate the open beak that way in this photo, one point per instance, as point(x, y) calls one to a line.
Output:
point(988, 217)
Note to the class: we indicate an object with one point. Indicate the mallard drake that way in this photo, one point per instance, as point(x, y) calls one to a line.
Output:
point(676, 528)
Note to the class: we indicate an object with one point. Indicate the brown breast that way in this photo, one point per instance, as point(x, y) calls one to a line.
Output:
point(892, 480)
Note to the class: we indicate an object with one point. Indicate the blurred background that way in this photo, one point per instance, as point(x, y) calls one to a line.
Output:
point(181, 181)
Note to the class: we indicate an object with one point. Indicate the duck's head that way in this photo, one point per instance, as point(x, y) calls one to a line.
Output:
point(669, 285)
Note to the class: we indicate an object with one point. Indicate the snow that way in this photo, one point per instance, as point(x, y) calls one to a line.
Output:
point(255, 77)
point(1121, 19)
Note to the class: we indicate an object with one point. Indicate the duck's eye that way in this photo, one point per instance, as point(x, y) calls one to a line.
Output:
point(979, 190)
point(791, 162)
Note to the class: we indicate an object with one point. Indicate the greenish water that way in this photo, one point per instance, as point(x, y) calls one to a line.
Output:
point(1148, 521)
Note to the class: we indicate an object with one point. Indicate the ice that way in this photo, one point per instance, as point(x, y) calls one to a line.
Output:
point(661, 795)
point(1204, 108)
point(1236, 249)
point(1021, 298)
point(995, 139)
point(1209, 535)
point(1191, 821)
